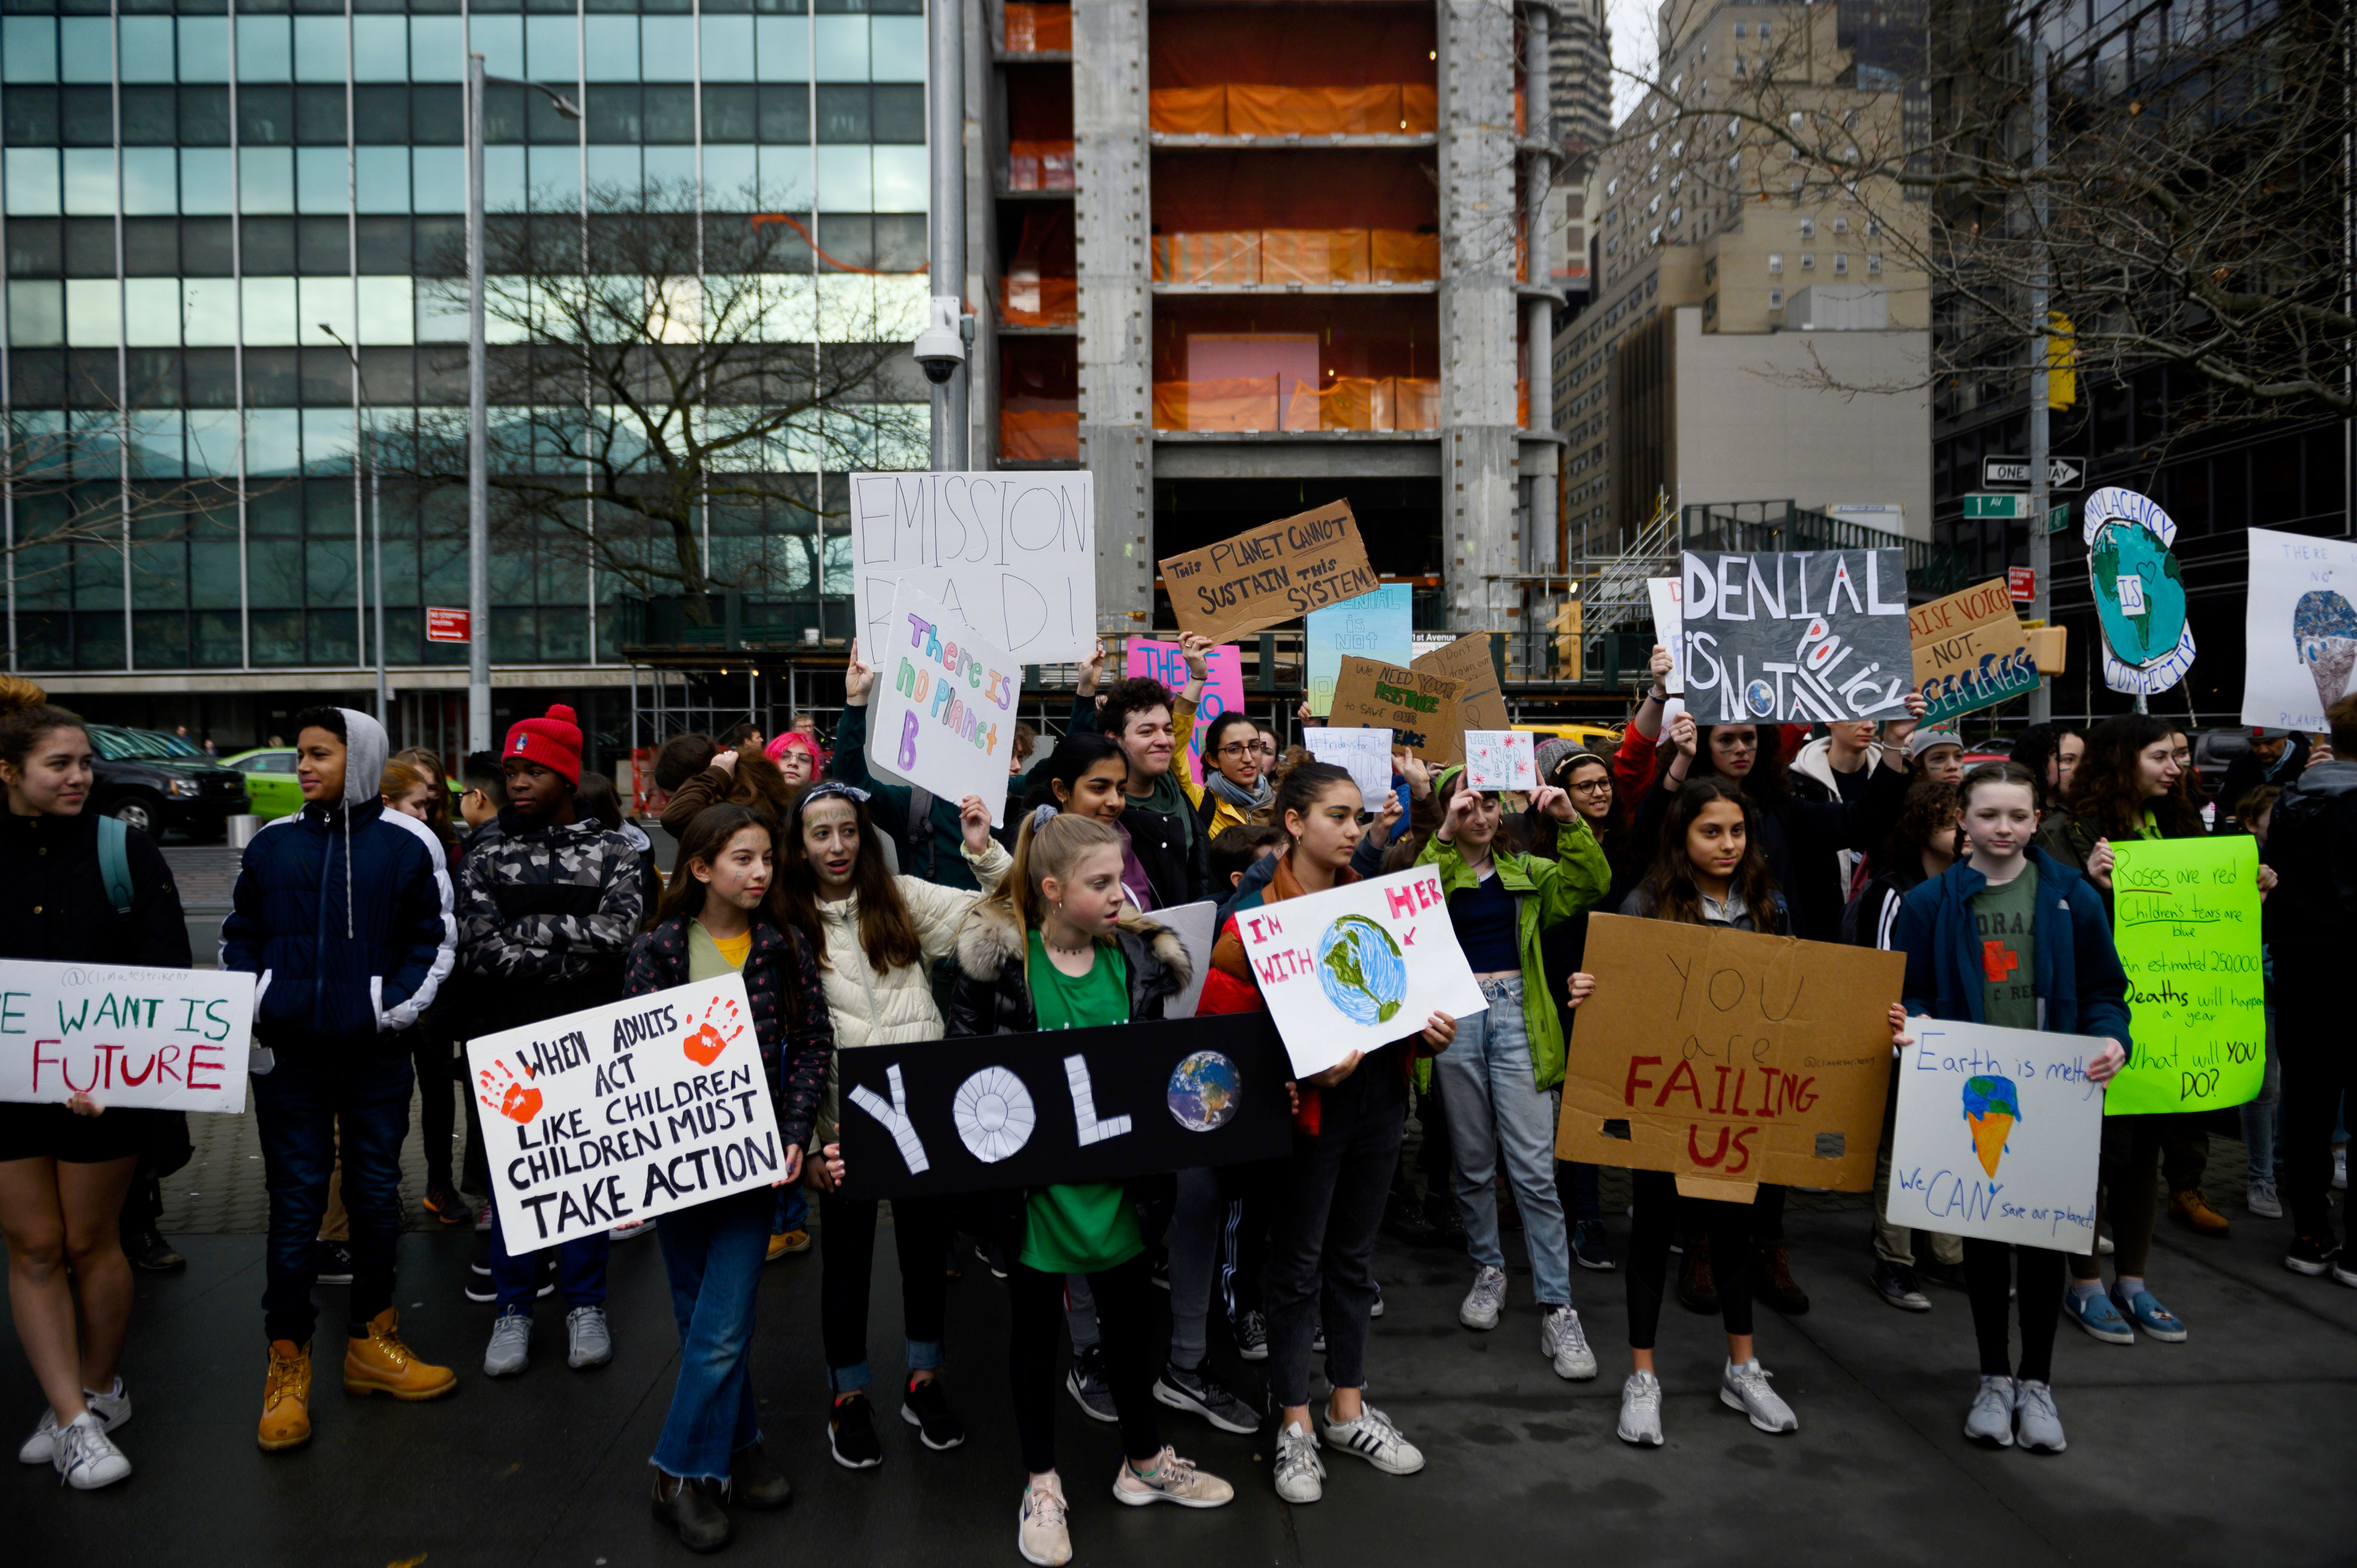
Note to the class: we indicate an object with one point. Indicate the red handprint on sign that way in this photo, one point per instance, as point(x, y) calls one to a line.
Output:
point(708, 1039)
point(500, 1091)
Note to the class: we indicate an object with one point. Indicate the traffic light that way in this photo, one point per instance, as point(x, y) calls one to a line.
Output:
point(1566, 627)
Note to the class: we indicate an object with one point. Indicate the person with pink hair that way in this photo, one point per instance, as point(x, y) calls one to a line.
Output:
point(797, 757)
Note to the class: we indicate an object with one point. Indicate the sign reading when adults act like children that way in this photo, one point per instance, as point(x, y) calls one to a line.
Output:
point(174, 1038)
point(1808, 636)
point(625, 1112)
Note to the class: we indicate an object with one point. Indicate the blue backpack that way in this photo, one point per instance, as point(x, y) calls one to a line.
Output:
point(114, 863)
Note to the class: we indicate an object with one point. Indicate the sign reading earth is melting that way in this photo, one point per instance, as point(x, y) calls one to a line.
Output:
point(1356, 968)
point(2139, 592)
point(995, 1112)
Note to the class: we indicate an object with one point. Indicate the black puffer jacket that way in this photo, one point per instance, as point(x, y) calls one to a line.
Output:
point(2312, 845)
point(56, 909)
point(992, 997)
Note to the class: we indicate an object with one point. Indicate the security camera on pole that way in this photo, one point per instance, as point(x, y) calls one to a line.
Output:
point(939, 349)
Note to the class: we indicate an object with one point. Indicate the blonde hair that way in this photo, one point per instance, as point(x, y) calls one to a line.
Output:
point(1047, 846)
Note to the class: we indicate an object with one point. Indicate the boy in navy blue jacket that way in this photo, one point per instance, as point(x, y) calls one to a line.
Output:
point(343, 910)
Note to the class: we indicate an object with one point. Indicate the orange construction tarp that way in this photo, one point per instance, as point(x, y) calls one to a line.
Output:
point(1395, 256)
point(1313, 256)
point(1250, 109)
point(1346, 403)
point(1037, 28)
point(1038, 435)
point(1030, 300)
point(1230, 257)
point(1237, 405)
point(1414, 404)
point(1188, 111)
point(1039, 166)
point(1419, 108)
point(1297, 255)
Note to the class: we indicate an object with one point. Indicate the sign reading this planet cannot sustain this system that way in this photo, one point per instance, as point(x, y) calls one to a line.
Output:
point(625, 1112)
point(986, 1112)
point(174, 1038)
point(2299, 636)
point(1996, 1135)
point(1729, 1057)
point(1807, 636)
point(1356, 968)
point(2139, 592)
point(1267, 576)
point(2185, 917)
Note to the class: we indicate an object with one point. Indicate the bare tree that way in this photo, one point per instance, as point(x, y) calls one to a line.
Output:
point(82, 479)
point(660, 363)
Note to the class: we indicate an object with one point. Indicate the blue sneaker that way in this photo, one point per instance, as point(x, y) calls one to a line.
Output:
point(2098, 1316)
point(2156, 1320)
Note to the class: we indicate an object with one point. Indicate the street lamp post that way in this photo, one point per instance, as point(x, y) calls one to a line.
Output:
point(376, 519)
point(479, 413)
point(945, 39)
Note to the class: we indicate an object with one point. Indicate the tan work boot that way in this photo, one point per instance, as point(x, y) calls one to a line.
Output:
point(381, 1363)
point(2192, 1211)
point(287, 1397)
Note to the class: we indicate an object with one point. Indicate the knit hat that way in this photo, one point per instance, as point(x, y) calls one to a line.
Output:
point(1923, 740)
point(1552, 751)
point(555, 742)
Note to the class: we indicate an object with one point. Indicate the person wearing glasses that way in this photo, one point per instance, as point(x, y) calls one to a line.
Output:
point(1235, 785)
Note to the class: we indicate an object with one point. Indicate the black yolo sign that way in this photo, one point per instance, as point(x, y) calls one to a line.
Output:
point(993, 1111)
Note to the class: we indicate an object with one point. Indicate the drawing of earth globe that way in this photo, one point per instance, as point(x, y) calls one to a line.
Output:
point(1362, 970)
point(1204, 1092)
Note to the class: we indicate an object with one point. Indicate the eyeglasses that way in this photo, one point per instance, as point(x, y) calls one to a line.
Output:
point(1595, 787)
point(1239, 748)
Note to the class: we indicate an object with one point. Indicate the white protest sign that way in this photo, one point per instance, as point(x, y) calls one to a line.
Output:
point(1196, 927)
point(1669, 628)
point(625, 1112)
point(1996, 1135)
point(171, 1038)
point(1500, 759)
point(1355, 968)
point(1012, 554)
point(942, 708)
point(1364, 754)
point(2299, 633)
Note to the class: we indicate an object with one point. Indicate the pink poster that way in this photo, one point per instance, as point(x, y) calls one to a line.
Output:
point(1223, 690)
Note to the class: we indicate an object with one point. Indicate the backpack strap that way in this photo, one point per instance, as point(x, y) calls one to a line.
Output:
point(114, 863)
point(920, 833)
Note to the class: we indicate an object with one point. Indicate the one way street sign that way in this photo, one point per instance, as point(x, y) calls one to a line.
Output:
point(2061, 473)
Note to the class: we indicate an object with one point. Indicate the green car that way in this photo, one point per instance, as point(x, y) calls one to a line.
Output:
point(270, 781)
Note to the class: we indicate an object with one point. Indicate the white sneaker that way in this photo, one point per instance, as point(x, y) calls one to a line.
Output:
point(1562, 1340)
point(86, 1457)
point(1744, 1387)
point(1373, 1438)
point(113, 1408)
point(1990, 1420)
point(1641, 1410)
point(1300, 1474)
point(589, 1342)
point(2260, 1200)
point(1480, 1309)
point(509, 1350)
point(1172, 1480)
point(1040, 1533)
point(2041, 1428)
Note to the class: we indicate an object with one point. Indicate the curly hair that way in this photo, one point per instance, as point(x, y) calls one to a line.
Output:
point(2107, 790)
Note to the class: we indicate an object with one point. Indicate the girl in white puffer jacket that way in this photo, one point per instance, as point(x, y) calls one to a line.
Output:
point(879, 936)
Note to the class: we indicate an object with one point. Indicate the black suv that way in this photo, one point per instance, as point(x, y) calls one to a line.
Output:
point(154, 781)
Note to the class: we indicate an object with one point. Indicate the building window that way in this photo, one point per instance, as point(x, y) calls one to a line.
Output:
point(1763, 32)
point(1808, 261)
point(1874, 260)
point(1678, 216)
point(1841, 263)
point(1710, 307)
point(1808, 227)
point(1775, 299)
point(1775, 262)
point(1841, 225)
point(1741, 30)
point(1874, 228)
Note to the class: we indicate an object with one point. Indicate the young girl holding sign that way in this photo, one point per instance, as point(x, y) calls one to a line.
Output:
point(1054, 947)
point(1088, 776)
point(1496, 1079)
point(64, 1168)
point(2013, 911)
point(1709, 871)
point(717, 916)
point(877, 935)
point(1329, 1205)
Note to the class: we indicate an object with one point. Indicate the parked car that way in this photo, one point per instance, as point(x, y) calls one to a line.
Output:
point(270, 781)
point(2215, 751)
point(154, 781)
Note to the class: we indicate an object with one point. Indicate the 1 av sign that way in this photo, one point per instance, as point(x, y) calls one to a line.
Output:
point(2061, 473)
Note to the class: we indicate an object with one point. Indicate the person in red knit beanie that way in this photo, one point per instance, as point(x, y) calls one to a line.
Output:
point(554, 743)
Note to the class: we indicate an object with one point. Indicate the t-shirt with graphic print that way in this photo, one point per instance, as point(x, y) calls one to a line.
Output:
point(2007, 915)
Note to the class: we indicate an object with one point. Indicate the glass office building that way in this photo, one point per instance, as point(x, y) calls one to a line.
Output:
point(197, 200)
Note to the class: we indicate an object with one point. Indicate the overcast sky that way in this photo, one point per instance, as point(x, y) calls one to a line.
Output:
point(1631, 22)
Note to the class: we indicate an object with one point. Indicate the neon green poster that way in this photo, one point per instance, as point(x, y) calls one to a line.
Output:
point(2186, 917)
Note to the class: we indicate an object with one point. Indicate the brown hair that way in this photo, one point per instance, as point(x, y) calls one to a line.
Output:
point(706, 839)
point(1988, 773)
point(399, 778)
point(437, 798)
point(2255, 804)
point(2342, 718)
point(1930, 810)
point(26, 715)
point(1672, 880)
point(887, 934)
point(2107, 795)
point(683, 757)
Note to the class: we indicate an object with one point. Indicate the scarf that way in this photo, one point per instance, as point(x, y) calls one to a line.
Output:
point(1236, 795)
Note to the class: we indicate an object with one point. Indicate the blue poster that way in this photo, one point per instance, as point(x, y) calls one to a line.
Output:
point(1373, 626)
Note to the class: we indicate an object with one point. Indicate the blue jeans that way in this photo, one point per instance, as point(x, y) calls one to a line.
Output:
point(793, 1210)
point(297, 1108)
point(580, 1271)
point(713, 1253)
point(1489, 1092)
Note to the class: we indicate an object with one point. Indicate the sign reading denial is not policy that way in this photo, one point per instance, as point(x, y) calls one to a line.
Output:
point(945, 703)
point(125, 1035)
point(1729, 1057)
point(1809, 636)
point(1267, 576)
point(625, 1112)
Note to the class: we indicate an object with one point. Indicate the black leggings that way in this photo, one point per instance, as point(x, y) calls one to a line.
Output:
point(429, 1051)
point(2036, 1273)
point(1728, 1228)
point(1036, 1321)
point(922, 1233)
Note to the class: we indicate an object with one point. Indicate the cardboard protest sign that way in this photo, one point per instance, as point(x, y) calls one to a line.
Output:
point(1269, 575)
point(625, 1112)
point(2048, 647)
point(1419, 708)
point(1970, 651)
point(172, 1038)
point(1468, 661)
point(2299, 628)
point(2185, 917)
point(1795, 638)
point(1224, 685)
point(1364, 754)
point(1373, 626)
point(1358, 967)
point(1012, 554)
point(1500, 759)
point(1669, 628)
point(989, 1112)
point(943, 704)
point(1996, 1135)
point(1196, 927)
point(1729, 1057)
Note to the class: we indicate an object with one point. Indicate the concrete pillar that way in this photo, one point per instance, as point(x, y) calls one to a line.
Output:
point(1479, 325)
point(1539, 458)
point(982, 259)
point(1109, 132)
